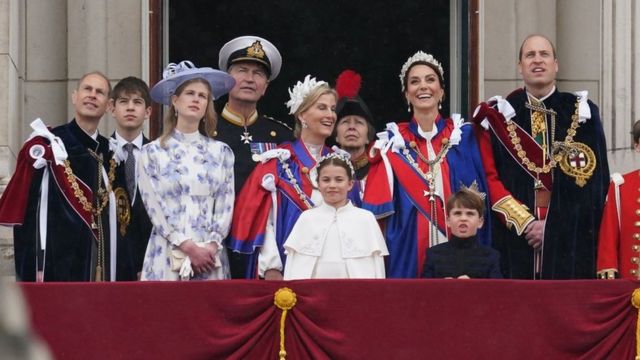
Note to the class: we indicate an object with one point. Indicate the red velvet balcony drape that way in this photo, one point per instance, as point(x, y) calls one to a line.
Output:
point(338, 319)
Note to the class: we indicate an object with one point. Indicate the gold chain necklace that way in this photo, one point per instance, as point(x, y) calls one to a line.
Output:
point(101, 202)
point(430, 178)
point(556, 148)
point(446, 145)
point(79, 194)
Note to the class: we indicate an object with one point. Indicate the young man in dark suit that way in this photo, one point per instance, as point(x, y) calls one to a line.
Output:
point(130, 106)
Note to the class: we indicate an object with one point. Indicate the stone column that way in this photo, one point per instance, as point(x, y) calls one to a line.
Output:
point(11, 93)
point(106, 36)
point(46, 64)
point(620, 106)
point(505, 24)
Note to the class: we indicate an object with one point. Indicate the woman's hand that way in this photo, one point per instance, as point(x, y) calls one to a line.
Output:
point(202, 258)
point(214, 250)
point(272, 274)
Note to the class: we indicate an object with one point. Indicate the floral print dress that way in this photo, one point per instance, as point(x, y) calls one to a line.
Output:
point(187, 188)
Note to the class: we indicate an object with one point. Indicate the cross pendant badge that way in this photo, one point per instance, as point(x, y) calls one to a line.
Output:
point(428, 193)
point(537, 184)
point(246, 137)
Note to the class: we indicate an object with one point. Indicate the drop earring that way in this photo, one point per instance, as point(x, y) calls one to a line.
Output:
point(408, 107)
point(440, 106)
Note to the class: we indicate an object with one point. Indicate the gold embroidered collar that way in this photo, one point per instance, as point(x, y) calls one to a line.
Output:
point(238, 119)
point(360, 162)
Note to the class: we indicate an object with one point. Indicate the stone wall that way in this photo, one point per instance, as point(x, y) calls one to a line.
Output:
point(12, 71)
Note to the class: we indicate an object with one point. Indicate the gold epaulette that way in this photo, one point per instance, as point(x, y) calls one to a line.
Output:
point(608, 274)
point(516, 214)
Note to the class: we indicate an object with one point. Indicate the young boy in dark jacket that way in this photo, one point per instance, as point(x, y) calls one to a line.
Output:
point(462, 257)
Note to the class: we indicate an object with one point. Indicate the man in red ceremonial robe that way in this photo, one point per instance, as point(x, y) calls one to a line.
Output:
point(253, 62)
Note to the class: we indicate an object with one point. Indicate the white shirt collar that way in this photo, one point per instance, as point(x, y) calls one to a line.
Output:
point(428, 134)
point(122, 141)
point(94, 136)
point(544, 97)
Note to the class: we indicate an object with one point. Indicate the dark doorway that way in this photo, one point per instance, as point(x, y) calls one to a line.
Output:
point(320, 38)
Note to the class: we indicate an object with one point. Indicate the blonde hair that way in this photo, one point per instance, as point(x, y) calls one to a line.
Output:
point(207, 125)
point(308, 102)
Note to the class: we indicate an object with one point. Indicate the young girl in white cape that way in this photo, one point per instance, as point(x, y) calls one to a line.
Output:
point(335, 240)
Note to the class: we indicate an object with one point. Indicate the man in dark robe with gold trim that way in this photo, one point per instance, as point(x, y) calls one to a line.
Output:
point(544, 153)
point(59, 199)
point(253, 62)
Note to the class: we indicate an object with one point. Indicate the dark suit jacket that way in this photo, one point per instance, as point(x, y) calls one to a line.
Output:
point(133, 236)
point(462, 257)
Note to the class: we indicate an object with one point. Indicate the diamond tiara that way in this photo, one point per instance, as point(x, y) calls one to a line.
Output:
point(339, 155)
point(420, 56)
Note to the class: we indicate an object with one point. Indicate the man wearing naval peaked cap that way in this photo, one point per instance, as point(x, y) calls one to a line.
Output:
point(253, 62)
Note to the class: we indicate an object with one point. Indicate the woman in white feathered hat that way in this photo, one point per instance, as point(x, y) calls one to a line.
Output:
point(285, 183)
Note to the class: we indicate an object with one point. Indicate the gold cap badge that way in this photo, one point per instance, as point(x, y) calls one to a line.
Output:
point(255, 50)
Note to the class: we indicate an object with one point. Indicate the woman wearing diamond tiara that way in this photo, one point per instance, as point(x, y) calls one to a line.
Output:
point(335, 240)
point(417, 165)
point(285, 183)
point(186, 179)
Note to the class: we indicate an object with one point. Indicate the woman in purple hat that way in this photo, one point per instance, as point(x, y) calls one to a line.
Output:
point(186, 179)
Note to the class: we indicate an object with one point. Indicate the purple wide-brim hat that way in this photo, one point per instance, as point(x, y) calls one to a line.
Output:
point(176, 74)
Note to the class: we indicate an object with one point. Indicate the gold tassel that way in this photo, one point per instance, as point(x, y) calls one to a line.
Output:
point(284, 299)
point(635, 301)
point(98, 273)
